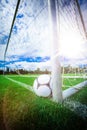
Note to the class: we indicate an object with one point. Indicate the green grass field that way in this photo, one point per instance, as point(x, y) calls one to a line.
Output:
point(29, 80)
point(21, 109)
point(67, 83)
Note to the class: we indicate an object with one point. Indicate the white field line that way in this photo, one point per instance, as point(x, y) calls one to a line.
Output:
point(66, 93)
point(38, 75)
point(75, 76)
point(23, 76)
point(77, 107)
point(70, 91)
point(74, 106)
point(21, 84)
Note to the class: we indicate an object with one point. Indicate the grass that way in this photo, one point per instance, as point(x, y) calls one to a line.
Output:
point(27, 80)
point(81, 96)
point(67, 82)
point(23, 110)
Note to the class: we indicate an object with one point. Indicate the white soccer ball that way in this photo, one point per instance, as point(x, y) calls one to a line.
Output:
point(42, 86)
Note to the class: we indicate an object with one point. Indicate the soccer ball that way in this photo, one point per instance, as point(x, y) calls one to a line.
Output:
point(42, 86)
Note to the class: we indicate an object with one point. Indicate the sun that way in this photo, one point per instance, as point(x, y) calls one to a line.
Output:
point(70, 44)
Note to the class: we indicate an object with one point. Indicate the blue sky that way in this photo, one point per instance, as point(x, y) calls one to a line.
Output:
point(29, 45)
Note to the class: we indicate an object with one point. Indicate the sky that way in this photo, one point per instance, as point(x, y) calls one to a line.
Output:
point(30, 46)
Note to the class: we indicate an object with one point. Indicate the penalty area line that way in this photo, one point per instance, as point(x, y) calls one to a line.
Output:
point(21, 84)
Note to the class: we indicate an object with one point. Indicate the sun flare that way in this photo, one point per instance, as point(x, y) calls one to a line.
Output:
point(70, 44)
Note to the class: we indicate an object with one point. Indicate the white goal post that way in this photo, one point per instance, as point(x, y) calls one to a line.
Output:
point(56, 68)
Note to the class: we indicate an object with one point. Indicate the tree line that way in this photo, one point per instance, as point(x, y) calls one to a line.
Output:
point(65, 70)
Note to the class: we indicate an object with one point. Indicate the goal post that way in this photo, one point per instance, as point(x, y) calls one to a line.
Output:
point(56, 68)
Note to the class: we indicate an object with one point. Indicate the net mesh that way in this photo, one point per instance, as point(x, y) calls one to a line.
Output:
point(29, 48)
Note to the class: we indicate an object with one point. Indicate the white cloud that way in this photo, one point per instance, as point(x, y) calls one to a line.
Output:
point(32, 37)
point(30, 65)
point(6, 15)
point(2, 50)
